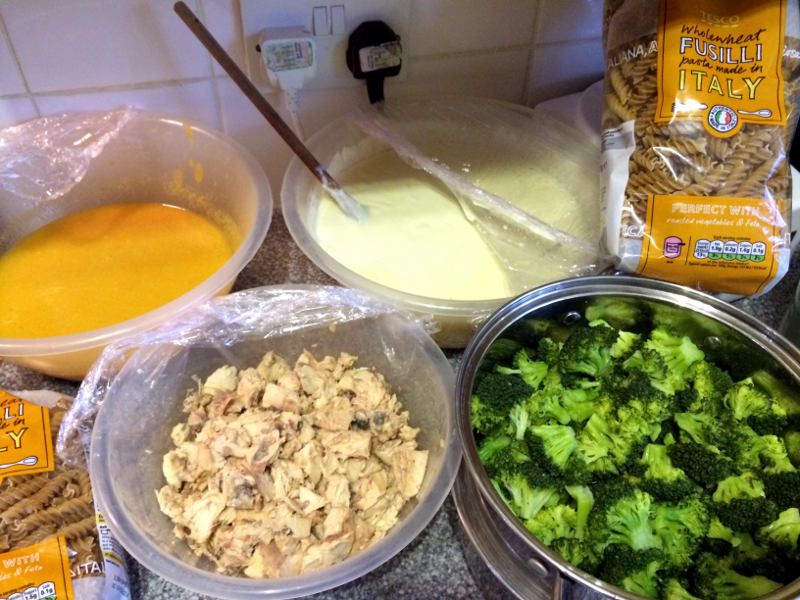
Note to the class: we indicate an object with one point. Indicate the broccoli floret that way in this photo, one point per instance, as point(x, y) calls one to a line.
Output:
point(551, 523)
point(490, 447)
point(700, 463)
point(791, 440)
point(577, 552)
point(783, 488)
point(715, 579)
point(634, 570)
point(681, 527)
point(678, 321)
point(579, 403)
point(500, 352)
point(627, 522)
point(759, 452)
point(679, 352)
point(772, 453)
point(584, 501)
point(493, 398)
point(551, 445)
point(710, 382)
point(622, 313)
point(651, 364)
point(600, 448)
point(784, 531)
point(660, 478)
point(745, 514)
point(747, 403)
point(526, 497)
point(626, 344)
point(626, 386)
point(709, 430)
point(722, 539)
point(740, 503)
point(786, 396)
point(673, 589)
point(547, 409)
point(746, 485)
point(587, 351)
point(531, 371)
point(520, 418)
point(767, 424)
point(688, 400)
point(555, 402)
point(548, 351)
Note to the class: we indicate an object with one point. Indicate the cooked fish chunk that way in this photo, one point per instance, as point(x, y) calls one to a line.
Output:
point(272, 367)
point(369, 490)
point(337, 491)
point(200, 515)
point(222, 380)
point(347, 443)
point(408, 467)
point(327, 552)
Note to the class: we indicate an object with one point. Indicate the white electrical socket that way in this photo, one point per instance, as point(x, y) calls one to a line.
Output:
point(330, 22)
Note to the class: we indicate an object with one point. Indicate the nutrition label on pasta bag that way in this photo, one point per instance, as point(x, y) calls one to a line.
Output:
point(719, 244)
point(38, 572)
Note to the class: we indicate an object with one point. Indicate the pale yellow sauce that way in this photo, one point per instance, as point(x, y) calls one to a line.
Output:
point(415, 239)
point(105, 265)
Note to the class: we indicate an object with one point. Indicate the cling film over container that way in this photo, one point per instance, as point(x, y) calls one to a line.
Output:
point(700, 107)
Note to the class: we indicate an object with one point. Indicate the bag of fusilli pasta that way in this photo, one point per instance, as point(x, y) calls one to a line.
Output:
point(53, 544)
point(700, 106)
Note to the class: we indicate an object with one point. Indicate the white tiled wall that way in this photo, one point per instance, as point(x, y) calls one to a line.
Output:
point(102, 54)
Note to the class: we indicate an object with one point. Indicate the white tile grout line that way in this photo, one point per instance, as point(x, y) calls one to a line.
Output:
point(212, 63)
point(527, 94)
point(18, 65)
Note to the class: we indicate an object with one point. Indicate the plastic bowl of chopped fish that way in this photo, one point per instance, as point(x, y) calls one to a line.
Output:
point(274, 443)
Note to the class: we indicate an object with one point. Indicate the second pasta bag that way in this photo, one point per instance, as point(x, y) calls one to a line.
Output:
point(700, 107)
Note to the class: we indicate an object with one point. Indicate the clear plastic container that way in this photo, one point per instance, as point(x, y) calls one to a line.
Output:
point(144, 401)
point(343, 144)
point(157, 159)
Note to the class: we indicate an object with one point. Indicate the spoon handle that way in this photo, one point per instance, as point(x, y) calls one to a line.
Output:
point(250, 90)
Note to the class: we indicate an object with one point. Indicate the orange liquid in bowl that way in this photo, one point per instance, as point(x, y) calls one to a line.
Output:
point(105, 265)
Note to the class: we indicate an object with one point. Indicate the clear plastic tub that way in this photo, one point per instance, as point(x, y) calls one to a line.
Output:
point(502, 151)
point(144, 401)
point(156, 159)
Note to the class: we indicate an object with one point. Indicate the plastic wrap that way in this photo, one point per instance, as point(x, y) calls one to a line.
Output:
point(527, 184)
point(700, 108)
point(46, 157)
point(261, 313)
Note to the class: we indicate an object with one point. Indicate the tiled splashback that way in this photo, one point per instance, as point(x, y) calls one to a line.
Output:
point(100, 54)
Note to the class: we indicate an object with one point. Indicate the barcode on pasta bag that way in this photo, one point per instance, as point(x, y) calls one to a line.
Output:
point(699, 111)
point(117, 585)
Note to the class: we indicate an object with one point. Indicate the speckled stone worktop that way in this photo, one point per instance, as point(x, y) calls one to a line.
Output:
point(440, 562)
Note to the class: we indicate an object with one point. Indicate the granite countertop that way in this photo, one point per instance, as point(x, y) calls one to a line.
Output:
point(441, 562)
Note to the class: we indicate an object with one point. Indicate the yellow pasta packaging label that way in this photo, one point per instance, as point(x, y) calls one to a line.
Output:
point(689, 238)
point(26, 445)
point(701, 102)
point(38, 572)
point(722, 67)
